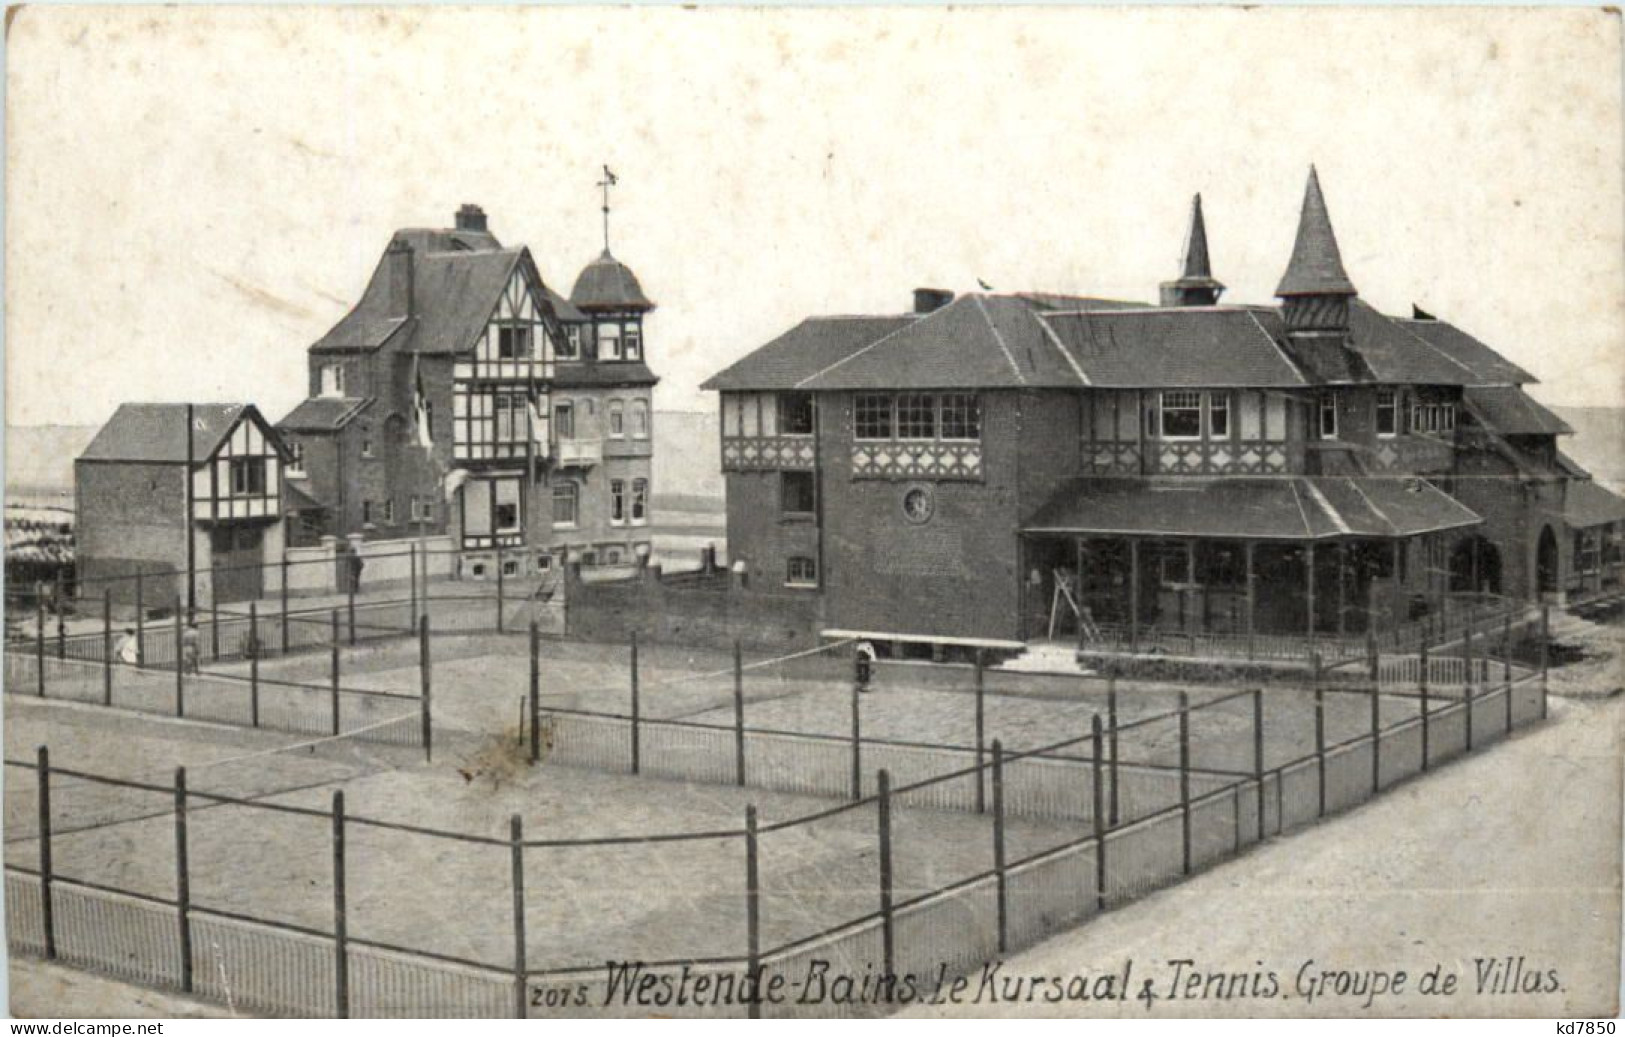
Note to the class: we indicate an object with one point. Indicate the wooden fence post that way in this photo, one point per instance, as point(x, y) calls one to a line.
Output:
point(857, 746)
point(516, 840)
point(1098, 810)
point(636, 762)
point(739, 714)
point(283, 590)
point(1258, 745)
point(341, 929)
point(1185, 780)
point(887, 935)
point(425, 674)
point(998, 845)
point(1423, 687)
point(334, 667)
point(47, 907)
point(981, 731)
point(183, 881)
point(254, 663)
point(535, 690)
point(1113, 816)
point(180, 665)
point(107, 647)
point(753, 914)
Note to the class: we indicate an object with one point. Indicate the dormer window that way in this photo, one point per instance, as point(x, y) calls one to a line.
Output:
point(570, 349)
point(1328, 416)
point(332, 380)
point(1387, 413)
point(513, 342)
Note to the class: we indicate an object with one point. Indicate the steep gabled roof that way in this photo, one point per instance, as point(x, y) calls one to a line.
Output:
point(803, 351)
point(455, 294)
point(1512, 412)
point(1316, 267)
point(1487, 366)
point(1392, 355)
point(1179, 347)
point(156, 433)
point(324, 413)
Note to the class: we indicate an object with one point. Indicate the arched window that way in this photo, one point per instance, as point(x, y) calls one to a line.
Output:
point(640, 419)
point(617, 419)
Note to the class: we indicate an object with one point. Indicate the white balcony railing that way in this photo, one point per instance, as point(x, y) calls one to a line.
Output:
point(581, 453)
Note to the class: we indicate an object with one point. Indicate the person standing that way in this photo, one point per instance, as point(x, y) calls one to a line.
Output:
point(189, 646)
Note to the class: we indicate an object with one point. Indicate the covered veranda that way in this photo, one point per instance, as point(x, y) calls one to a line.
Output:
point(1257, 568)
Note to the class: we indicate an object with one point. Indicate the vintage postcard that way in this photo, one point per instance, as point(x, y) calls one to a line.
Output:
point(810, 513)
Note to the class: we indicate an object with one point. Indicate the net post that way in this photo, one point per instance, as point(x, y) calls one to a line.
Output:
point(47, 907)
point(1376, 741)
point(413, 562)
point(180, 665)
point(183, 881)
point(1506, 666)
point(857, 746)
point(214, 627)
point(349, 604)
point(1097, 812)
point(501, 592)
point(107, 647)
point(425, 682)
point(1320, 749)
point(61, 616)
point(1545, 653)
point(1113, 815)
point(254, 663)
point(1422, 686)
point(739, 714)
point(516, 843)
point(39, 648)
point(887, 930)
point(341, 928)
point(998, 846)
point(1185, 780)
point(1258, 742)
point(535, 689)
point(636, 747)
point(334, 670)
point(1467, 652)
point(283, 591)
point(140, 621)
point(753, 913)
point(981, 731)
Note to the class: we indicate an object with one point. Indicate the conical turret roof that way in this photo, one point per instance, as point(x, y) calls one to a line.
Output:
point(1195, 268)
point(1317, 266)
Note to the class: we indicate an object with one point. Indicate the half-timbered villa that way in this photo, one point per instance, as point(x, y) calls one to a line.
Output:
point(995, 470)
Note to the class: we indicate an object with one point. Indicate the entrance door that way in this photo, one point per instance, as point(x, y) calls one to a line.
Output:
point(238, 559)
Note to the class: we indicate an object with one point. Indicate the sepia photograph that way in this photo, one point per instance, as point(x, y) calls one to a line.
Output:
point(813, 512)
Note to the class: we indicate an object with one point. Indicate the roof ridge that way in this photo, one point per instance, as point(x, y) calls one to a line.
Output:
point(896, 331)
point(1055, 340)
point(999, 338)
point(1419, 338)
point(1277, 347)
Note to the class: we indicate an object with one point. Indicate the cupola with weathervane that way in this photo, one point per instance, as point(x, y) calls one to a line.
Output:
point(608, 292)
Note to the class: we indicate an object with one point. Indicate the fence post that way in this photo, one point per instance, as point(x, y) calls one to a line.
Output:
point(1098, 810)
point(350, 607)
point(888, 955)
point(61, 617)
point(1112, 814)
point(1320, 750)
point(1506, 666)
point(341, 928)
point(214, 627)
point(183, 881)
point(334, 677)
point(535, 692)
point(1423, 687)
point(1545, 653)
point(1258, 744)
point(1185, 780)
point(857, 747)
point(739, 714)
point(1467, 651)
point(253, 664)
point(998, 844)
point(413, 562)
point(140, 621)
point(107, 647)
point(753, 915)
point(180, 665)
point(981, 731)
point(1467, 700)
point(47, 908)
point(284, 592)
point(635, 733)
point(425, 672)
point(501, 593)
point(39, 649)
point(516, 840)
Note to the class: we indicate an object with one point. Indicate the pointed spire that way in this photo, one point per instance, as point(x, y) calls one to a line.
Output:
point(1316, 267)
point(1195, 286)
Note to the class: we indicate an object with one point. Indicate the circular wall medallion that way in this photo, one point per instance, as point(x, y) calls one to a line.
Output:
point(919, 504)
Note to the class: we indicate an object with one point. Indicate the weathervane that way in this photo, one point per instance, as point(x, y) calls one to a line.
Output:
point(610, 180)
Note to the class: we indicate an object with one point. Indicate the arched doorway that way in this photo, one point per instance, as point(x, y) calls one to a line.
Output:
point(1546, 562)
point(1475, 565)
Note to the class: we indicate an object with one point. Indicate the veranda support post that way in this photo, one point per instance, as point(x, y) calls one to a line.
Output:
point(739, 714)
point(334, 671)
point(1422, 688)
point(253, 664)
point(535, 691)
point(425, 681)
point(341, 928)
point(1185, 780)
point(753, 915)
point(516, 844)
point(635, 732)
point(107, 647)
point(998, 845)
point(180, 665)
point(981, 731)
point(183, 881)
point(1097, 811)
point(887, 923)
point(1111, 715)
point(42, 771)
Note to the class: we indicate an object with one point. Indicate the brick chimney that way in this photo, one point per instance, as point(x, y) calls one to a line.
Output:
point(929, 300)
point(471, 217)
point(399, 258)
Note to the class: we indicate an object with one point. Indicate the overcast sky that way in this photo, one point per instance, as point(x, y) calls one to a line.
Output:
point(194, 195)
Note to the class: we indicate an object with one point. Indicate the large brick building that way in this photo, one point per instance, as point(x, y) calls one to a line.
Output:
point(464, 397)
point(1308, 468)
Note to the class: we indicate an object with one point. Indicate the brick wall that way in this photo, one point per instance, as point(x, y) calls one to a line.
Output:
point(715, 615)
point(130, 518)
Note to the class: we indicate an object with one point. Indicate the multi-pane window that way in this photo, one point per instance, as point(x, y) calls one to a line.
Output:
point(1387, 412)
point(247, 476)
point(609, 342)
point(564, 504)
point(296, 457)
point(1218, 415)
point(1328, 416)
point(640, 501)
point(801, 571)
point(513, 342)
point(961, 416)
point(1433, 417)
point(389, 512)
point(490, 422)
point(1181, 415)
point(564, 420)
point(570, 348)
point(796, 493)
point(634, 342)
point(640, 419)
point(617, 501)
point(617, 419)
point(872, 416)
point(916, 416)
point(795, 414)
